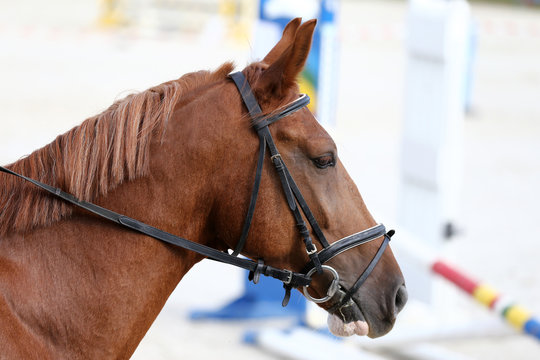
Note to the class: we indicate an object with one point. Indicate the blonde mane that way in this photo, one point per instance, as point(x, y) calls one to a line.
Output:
point(94, 157)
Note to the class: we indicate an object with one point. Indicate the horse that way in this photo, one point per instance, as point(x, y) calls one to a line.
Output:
point(181, 157)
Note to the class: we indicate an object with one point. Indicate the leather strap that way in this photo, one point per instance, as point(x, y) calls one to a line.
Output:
point(363, 277)
point(247, 95)
point(254, 110)
point(307, 212)
point(253, 200)
point(347, 243)
point(291, 108)
point(286, 276)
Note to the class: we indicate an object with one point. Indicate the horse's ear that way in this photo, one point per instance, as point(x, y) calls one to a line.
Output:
point(287, 59)
point(289, 33)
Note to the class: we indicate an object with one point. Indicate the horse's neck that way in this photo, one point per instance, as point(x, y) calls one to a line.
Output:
point(89, 288)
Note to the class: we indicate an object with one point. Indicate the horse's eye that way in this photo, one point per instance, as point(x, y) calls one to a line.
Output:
point(324, 161)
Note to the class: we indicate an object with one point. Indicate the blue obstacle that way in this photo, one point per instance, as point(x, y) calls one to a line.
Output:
point(258, 301)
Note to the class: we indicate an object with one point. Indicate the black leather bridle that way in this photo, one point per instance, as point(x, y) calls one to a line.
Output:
point(295, 202)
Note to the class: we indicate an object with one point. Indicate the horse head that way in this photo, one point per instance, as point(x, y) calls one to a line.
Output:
point(311, 156)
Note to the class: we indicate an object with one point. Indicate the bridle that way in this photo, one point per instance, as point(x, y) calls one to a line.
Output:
point(295, 201)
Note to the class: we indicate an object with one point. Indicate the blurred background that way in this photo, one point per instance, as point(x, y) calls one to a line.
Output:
point(435, 106)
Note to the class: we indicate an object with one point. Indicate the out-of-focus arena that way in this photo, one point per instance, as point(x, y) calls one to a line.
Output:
point(64, 61)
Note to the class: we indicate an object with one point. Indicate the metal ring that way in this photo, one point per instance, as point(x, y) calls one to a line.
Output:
point(331, 290)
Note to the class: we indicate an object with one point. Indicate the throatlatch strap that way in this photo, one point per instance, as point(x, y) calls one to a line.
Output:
point(253, 200)
point(254, 110)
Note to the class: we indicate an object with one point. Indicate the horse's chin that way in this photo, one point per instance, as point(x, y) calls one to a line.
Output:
point(339, 328)
point(348, 319)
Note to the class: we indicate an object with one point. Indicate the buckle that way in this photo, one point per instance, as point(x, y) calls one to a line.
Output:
point(312, 251)
point(273, 157)
point(289, 277)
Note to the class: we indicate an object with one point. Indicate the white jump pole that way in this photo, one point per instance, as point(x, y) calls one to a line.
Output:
point(303, 344)
point(431, 150)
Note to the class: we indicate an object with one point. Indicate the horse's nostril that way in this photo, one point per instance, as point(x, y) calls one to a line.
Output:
point(401, 298)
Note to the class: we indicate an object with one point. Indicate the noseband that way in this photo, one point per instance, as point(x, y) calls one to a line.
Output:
point(296, 204)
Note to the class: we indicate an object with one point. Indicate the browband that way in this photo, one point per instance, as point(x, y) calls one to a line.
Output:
point(290, 109)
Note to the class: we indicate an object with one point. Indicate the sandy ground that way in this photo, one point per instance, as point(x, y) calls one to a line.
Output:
point(58, 67)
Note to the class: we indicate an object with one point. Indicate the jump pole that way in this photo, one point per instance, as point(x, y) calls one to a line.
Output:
point(516, 315)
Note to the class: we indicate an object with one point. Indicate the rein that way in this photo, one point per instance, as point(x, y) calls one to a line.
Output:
point(295, 201)
point(286, 276)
